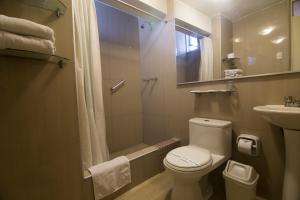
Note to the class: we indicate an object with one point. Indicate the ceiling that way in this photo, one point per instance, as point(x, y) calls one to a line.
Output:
point(233, 9)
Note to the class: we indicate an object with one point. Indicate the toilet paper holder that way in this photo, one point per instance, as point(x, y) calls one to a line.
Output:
point(256, 146)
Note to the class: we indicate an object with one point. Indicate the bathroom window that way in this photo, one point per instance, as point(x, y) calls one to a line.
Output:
point(188, 55)
point(186, 43)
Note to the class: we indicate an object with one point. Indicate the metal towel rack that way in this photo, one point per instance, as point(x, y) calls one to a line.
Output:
point(117, 86)
point(150, 79)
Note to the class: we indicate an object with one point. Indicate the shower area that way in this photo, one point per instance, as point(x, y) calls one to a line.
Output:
point(132, 87)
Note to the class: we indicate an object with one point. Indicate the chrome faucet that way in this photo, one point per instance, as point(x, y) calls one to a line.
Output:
point(290, 101)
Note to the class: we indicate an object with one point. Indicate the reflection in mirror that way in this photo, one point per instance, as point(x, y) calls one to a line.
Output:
point(251, 38)
point(261, 40)
point(295, 34)
point(194, 56)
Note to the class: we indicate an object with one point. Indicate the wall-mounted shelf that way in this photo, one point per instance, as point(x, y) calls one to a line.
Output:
point(34, 55)
point(200, 92)
point(230, 89)
point(52, 5)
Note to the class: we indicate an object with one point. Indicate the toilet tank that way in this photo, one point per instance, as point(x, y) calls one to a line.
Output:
point(211, 134)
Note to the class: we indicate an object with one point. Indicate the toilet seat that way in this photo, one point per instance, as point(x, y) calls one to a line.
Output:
point(189, 158)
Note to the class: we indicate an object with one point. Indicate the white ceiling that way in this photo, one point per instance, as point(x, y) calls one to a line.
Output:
point(233, 9)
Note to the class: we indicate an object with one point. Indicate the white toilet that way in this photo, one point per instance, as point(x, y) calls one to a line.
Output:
point(209, 147)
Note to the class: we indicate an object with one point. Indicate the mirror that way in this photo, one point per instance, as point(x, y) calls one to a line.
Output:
point(247, 38)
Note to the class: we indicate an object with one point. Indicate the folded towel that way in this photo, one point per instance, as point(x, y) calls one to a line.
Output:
point(233, 76)
point(26, 27)
point(233, 71)
point(28, 43)
point(110, 176)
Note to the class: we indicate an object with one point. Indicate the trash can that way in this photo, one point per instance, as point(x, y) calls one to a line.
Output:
point(240, 181)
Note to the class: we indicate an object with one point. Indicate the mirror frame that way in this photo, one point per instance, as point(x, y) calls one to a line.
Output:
point(239, 78)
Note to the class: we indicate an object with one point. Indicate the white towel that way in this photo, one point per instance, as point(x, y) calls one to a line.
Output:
point(110, 176)
point(28, 43)
point(26, 27)
point(233, 76)
point(233, 71)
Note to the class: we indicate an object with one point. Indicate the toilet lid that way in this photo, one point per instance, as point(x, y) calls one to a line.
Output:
point(188, 157)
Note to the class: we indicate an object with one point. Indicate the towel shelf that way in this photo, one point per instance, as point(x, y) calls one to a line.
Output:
point(199, 92)
point(34, 55)
point(53, 5)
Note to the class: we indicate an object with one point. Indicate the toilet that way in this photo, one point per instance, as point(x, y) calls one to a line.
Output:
point(209, 147)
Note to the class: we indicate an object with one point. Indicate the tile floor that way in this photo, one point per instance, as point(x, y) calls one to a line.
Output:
point(156, 188)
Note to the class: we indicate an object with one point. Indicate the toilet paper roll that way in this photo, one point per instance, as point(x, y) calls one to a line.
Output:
point(245, 146)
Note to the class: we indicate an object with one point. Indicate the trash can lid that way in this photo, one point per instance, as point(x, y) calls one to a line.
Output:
point(240, 173)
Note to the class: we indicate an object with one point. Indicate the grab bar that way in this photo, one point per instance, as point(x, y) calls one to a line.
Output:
point(118, 85)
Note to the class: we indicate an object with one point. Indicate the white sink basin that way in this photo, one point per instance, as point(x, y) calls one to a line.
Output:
point(289, 119)
point(285, 117)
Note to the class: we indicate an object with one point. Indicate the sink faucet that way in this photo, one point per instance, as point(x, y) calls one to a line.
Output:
point(290, 101)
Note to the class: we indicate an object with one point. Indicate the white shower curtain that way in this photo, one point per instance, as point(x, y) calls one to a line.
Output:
point(206, 64)
point(89, 84)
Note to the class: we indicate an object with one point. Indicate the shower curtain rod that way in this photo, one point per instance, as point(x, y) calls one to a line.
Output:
point(130, 6)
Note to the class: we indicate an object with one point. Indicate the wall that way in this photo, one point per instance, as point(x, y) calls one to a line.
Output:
point(192, 16)
point(258, 52)
point(39, 146)
point(222, 43)
point(238, 109)
point(216, 41)
point(120, 58)
point(160, 5)
point(171, 106)
point(180, 106)
point(226, 41)
point(155, 57)
point(295, 41)
point(142, 8)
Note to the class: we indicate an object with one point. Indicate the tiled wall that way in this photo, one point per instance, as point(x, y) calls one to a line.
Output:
point(170, 107)
point(39, 145)
point(120, 59)
point(157, 55)
point(226, 41)
point(180, 106)
point(222, 43)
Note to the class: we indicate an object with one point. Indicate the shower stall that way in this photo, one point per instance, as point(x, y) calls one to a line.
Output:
point(133, 91)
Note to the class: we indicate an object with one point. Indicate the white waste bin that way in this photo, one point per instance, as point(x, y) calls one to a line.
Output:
point(240, 181)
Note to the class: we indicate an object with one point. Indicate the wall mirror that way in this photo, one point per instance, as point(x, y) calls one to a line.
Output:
point(244, 38)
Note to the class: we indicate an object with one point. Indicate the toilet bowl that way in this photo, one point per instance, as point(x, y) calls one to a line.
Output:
point(209, 147)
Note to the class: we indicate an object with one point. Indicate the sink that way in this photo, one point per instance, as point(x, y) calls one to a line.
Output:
point(285, 117)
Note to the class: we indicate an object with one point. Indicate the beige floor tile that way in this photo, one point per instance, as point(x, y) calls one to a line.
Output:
point(158, 188)
point(155, 188)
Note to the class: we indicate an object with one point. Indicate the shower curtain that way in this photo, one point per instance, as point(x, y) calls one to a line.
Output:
point(206, 64)
point(89, 84)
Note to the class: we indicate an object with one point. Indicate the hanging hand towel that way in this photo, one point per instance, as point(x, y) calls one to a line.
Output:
point(28, 43)
point(110, 176)
point(26, 27)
